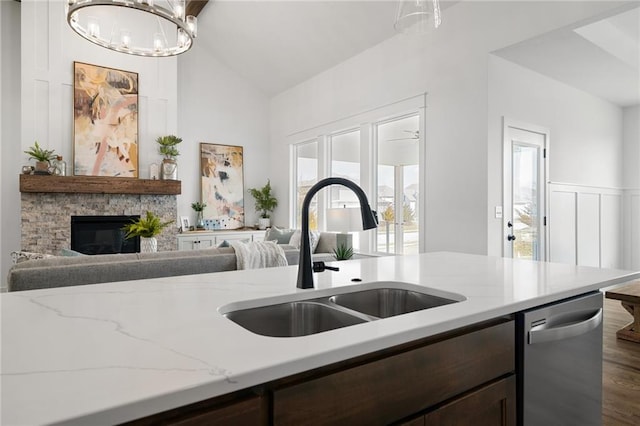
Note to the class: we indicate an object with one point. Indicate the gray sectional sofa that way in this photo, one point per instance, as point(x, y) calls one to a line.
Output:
point(78, 270)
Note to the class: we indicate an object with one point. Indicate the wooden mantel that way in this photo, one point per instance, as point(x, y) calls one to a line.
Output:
point(98, 185)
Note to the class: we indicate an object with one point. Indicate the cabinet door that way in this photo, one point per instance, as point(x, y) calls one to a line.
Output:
point(196, 242)
point(206, 242)
point(187, 243)
point(491, 405)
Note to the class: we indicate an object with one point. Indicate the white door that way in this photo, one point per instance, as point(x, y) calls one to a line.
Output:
point(524, 190)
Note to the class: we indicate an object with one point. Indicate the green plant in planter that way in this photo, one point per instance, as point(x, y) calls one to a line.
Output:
point(265, 201)
point(199, 206)
point(40, 155)
point(168, 146)
point(146, 227)
point(342, 252)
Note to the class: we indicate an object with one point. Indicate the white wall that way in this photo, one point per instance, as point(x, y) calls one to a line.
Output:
point(10, 148)
point(631, 137)
point(449, 64)
point(217, 106)
point(585, 149)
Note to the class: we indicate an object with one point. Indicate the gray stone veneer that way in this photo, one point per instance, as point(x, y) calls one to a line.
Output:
point(46, 217)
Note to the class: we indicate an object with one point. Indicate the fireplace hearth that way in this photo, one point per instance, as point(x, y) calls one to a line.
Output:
point(102, 235)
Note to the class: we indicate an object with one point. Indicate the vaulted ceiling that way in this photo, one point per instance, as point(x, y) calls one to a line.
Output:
point(278, 44)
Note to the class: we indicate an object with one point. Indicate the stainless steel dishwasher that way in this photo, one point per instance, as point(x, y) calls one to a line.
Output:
point(560, 363)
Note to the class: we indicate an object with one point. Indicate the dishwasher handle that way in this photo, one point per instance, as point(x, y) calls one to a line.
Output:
point(542, 334)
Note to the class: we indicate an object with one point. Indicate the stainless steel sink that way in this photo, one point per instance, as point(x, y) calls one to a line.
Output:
point(388, 302)
point(330, 309)
point(293, 319)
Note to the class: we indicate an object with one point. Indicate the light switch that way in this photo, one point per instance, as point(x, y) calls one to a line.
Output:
point(498, 212)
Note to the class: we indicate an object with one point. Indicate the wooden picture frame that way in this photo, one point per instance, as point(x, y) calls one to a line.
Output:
point(222, 184)
point(105, 121)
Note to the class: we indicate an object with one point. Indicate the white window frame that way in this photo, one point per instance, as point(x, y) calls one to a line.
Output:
point(366, 122)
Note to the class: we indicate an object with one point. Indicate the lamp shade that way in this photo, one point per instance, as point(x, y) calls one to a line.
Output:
point(344, 219)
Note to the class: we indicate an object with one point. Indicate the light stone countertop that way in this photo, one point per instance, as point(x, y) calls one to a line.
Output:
point(108, 353)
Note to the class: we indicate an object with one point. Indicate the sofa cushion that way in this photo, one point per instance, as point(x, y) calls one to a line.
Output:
point(329, 241)
point(280, 236)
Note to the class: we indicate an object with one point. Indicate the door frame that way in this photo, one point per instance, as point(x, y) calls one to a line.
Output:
point(507, 190)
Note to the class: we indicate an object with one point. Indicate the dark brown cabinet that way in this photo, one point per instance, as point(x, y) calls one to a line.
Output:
point(491, 405)
point(461, 377)
point(394, 387)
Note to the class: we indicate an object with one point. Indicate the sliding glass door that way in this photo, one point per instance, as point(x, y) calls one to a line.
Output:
point(398, 187)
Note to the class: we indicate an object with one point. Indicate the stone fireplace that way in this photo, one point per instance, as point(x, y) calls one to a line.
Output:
point(46, 216)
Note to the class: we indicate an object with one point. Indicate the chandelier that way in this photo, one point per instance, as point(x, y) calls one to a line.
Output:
point(417, 16)
point(138, 27)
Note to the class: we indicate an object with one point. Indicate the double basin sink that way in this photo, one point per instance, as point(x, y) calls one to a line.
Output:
point(344, 307)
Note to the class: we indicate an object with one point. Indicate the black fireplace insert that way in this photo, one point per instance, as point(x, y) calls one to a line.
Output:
point(102, 235)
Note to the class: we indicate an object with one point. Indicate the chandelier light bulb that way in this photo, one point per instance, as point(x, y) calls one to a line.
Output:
point(192, 24)
point(125, 39)
point(182, 37)
point(158, 45)
point(179, 9)
point(93, 27)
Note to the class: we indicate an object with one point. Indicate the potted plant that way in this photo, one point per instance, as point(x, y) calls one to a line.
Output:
point(265, 204)
point(147, 227)
point(343, 252)
point(168, 148)
point(199, 208)
point(42, 157)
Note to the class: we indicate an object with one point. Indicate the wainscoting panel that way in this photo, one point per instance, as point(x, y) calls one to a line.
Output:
point(562, 221)
point(585, 225)
point(632, 233)
point(611, 231)
point(588, 232)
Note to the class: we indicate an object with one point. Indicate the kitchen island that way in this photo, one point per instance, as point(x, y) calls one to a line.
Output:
point(116, 352)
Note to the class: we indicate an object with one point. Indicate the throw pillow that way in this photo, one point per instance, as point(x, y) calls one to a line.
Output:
point(280, 236)
point(225, 243)
point(314, 238)
point(23, 256)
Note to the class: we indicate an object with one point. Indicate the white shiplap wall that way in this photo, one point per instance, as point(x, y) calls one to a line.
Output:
point(586, 225)
point(631, 234)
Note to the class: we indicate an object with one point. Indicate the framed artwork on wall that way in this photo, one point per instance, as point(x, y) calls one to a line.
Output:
point(105, 121)
point(222, 185)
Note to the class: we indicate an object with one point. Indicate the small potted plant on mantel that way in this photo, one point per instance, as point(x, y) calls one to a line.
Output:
point(265, 204)
point(147, 227)
point(168, 148)
point(43, 158)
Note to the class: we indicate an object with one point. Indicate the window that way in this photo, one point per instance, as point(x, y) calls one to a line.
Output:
point(382, 151)
point(306, 163)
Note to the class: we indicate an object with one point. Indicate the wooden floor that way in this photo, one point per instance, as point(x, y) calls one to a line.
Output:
point(621, 370)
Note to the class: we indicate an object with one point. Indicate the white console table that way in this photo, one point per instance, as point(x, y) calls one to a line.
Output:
point(195, 240)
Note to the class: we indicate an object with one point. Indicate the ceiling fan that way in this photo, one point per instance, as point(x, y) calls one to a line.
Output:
point(415, 135)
